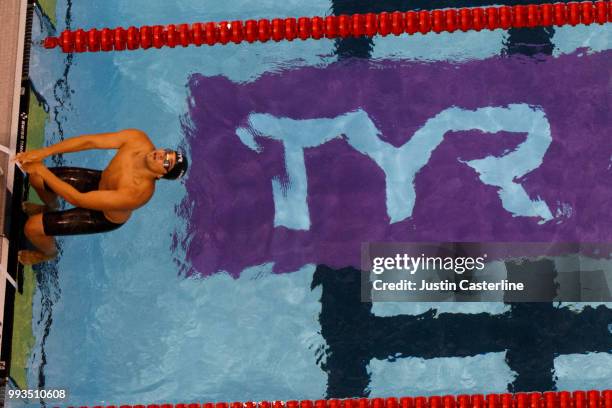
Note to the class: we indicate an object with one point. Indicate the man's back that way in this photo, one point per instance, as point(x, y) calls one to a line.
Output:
point(120, 174)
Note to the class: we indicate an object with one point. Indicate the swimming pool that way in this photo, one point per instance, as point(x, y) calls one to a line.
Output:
point(242, 282)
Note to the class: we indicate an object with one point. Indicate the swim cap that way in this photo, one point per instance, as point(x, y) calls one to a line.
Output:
point(180, 167)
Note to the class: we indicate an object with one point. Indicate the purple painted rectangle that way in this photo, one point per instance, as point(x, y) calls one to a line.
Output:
point(231, 223)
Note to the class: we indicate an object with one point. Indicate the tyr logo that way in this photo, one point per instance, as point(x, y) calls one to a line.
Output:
point(402, 164)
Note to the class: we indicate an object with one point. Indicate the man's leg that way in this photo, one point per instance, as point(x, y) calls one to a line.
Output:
point(45, 244)
point(48, 197)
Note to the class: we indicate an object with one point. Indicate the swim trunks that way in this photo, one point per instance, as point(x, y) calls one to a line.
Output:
point(77, 221)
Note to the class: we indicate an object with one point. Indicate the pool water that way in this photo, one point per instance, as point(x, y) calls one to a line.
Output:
point(242, 282)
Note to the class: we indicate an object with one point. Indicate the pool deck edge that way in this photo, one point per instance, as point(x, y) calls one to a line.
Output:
point(12, 48)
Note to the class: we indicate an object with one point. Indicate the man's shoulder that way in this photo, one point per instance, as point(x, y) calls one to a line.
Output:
point(137, 137)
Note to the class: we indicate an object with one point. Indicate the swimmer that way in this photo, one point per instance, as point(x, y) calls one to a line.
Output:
point(103, 200)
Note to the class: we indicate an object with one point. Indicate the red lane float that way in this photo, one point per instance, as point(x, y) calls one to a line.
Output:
point(562, 399)
point(343, 26)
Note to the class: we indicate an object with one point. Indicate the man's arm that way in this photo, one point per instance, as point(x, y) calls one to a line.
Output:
point(114, 140)
point(102, 200)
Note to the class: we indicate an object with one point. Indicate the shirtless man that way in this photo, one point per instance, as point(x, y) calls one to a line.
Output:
point(104, 200)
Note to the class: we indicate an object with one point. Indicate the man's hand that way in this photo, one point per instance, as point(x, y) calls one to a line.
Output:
point(36, 155)
point(33, 167)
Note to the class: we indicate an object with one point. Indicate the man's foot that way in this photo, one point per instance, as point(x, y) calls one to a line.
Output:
point(31, 208)
point(27, 257)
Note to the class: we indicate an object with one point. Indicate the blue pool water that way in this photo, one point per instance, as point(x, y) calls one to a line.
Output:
point(117, 318)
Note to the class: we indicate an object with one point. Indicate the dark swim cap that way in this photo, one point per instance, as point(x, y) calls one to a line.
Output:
point(180, 167)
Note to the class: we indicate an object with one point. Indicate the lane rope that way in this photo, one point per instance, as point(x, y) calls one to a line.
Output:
point(562, 399)
point(342, 26)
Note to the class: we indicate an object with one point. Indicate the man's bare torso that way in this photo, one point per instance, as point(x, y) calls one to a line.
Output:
point(120, 174)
